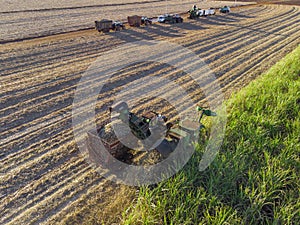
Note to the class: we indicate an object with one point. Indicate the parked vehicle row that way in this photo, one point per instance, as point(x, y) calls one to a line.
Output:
point(196, 12)
point(170, 18)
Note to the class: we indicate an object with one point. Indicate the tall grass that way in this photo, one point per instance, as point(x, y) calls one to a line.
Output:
point(255, 177)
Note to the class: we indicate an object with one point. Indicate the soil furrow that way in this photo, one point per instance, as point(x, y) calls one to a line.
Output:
point(38, 190)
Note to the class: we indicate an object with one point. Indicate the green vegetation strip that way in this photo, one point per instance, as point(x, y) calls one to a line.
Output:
point(255, 177)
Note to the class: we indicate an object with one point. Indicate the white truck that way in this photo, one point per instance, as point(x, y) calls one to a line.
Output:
point(206, 12)
point(196, 13)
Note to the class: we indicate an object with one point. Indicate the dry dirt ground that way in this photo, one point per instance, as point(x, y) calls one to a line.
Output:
point(43, 178)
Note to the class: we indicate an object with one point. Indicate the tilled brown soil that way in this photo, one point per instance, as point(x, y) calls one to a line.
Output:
point(44, 179)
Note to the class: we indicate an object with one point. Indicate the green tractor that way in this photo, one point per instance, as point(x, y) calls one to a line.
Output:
point(193, 12)
point(148, 127)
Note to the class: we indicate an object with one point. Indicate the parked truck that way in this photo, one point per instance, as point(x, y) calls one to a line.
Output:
point(107, 25)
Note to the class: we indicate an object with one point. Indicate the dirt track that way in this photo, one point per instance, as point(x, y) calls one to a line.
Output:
point(42, 176)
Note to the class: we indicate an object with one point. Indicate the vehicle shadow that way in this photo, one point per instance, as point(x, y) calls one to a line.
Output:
point(190, 24)
point(238, 15)
point(165, 30)
point(156, 30)
point(131, 35)
point(222, 19)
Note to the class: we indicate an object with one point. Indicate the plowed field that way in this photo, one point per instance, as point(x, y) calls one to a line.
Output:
point(43, 178)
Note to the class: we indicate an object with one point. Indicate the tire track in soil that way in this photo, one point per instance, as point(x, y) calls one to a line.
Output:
point(33, 59)
point(42, 187)
point(35, 150)
point(93, 193)
point(60, 198)
point(38, 167)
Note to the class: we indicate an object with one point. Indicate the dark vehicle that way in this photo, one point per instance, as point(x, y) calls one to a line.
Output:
point(107, 25)
point(178, 18)
point(117, 25)
point(225, 9)
point(169, 18)
point(146, 21)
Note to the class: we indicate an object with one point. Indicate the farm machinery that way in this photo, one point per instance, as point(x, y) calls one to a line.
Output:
point(146, 21)
point(149, 126)
point(225, 9)
point(196, 13)
point(107, 25)
point(137, 21)
point(170, 18)
point(134, 21)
